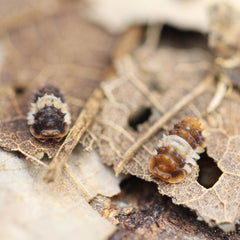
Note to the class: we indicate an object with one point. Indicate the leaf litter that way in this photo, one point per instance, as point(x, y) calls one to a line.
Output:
point(181, 82)
point(224, 31)
point(52, 49)
point(70, 60)
point(154, 88)
point(141, 213)
point(30, 208)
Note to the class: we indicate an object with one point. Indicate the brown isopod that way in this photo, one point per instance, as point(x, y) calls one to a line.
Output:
point(178, 150)
point(48, 117)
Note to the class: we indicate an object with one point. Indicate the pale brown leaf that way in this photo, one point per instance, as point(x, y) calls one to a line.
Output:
point(224, 30)
point(118, 15)
point(178, 80)
point(32, 209)
point(14, 13)
point(223, 35)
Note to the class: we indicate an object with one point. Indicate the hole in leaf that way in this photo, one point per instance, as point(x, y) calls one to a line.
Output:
point(19, 90)
point(209, 171)
point(182, 38)
point(140, 116)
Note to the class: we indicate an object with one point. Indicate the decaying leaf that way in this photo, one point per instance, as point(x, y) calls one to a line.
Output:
point(224, 30)
point(154, 93)
point(31, 208)
point(117, 15)
point(61, 49)
point(141, 213)
point(223, 35)
point(64, 50)
point(97, 179)
point(14, 13)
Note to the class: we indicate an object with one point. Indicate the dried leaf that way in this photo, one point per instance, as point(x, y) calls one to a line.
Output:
point(64, 50)
point(32, 209)
point(97, 179)
point(224, 30)
point(14, 13)
point(118, 15)
point(176, 79)
point(223, 35)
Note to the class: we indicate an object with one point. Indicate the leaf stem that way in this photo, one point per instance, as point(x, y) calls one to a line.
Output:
point(85, 118)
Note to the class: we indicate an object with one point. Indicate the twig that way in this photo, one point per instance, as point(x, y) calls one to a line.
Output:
point(128, 42)
point(128, 69)
point(223, 87)
point(12, 96)
point(87, 196)
point(229, 63)
point(82, 123)
point(33, 159)
point(158, 125)
point(153, 35)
